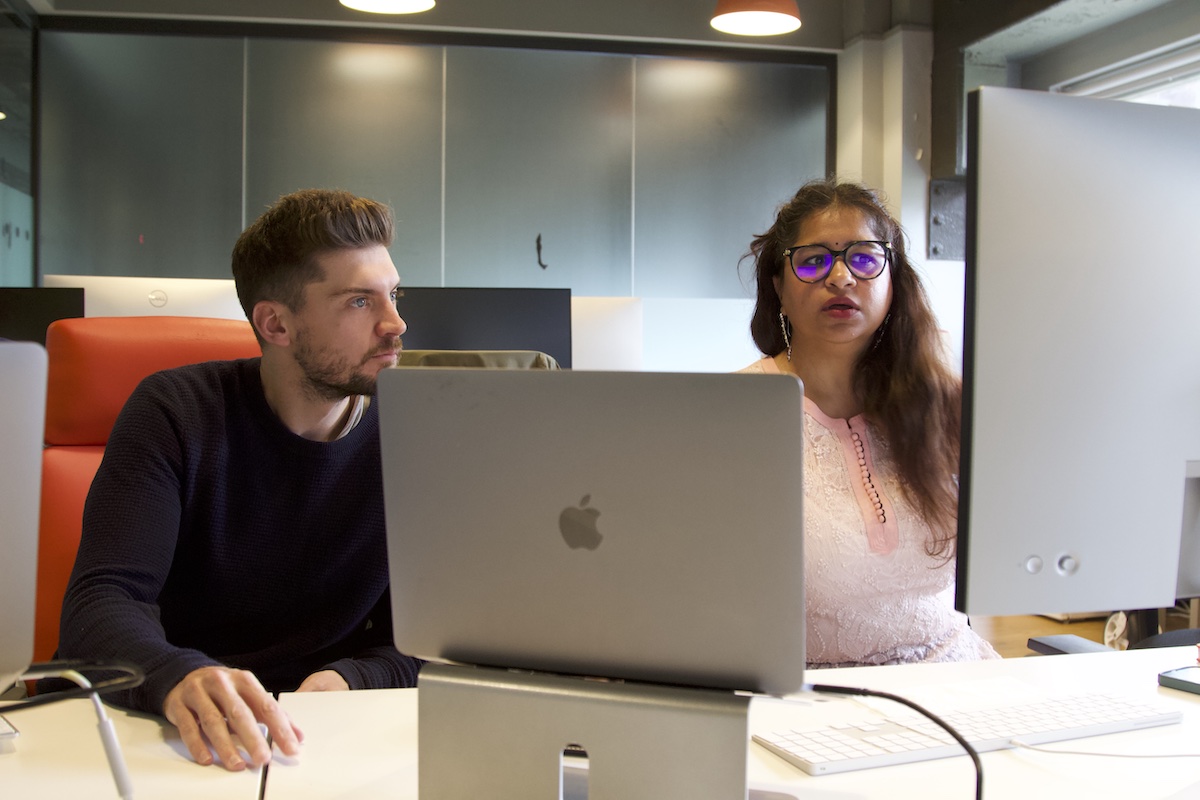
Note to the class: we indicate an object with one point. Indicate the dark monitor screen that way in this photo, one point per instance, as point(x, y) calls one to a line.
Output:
point(1081, 368)
point(457, 318)
point(26, 312)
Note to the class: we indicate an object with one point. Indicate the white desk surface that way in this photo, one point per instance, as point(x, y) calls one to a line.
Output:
point(356, 745)
point(59, 754)
point(363, 744)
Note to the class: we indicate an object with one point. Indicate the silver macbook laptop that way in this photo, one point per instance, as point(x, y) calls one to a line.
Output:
point(22, 420)
point(645, 526)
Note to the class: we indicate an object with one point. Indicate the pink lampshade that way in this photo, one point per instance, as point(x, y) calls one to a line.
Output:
point(756, 17)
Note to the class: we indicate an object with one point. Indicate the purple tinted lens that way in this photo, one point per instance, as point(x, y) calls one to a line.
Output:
point(867, 260)
point(811, 266)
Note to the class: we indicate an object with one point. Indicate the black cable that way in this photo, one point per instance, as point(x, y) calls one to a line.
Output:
point(946, 726)
point(133, 676)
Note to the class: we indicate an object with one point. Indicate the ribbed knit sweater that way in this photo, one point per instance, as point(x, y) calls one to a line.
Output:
point(212, 534)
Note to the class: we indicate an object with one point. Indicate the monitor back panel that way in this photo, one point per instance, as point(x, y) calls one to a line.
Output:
point(645, 526)
point(22, 422)
point(26, 312)
point(490, 318)
point(1081, 390)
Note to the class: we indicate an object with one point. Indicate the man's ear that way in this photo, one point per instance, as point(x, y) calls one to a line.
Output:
point(273, 322)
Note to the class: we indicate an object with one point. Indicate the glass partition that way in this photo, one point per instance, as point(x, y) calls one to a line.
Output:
point(16, 192)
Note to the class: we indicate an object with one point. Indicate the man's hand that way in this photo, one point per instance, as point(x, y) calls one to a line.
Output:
point(212, 705)
point(327, 680)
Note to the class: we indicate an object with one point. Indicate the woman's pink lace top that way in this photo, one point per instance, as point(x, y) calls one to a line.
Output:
point(872, 594)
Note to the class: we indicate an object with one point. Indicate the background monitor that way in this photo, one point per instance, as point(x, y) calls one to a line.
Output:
point(22, 422)
point(459, 318)
point(121, 296)
point(1081, 352)
point(26, 312)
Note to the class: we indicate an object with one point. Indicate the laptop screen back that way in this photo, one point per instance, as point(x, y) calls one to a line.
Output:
point(645, 526)
point(22, 421)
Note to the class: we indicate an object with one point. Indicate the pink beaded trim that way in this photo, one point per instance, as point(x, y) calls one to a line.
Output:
point(879, 518)
point(868, 483)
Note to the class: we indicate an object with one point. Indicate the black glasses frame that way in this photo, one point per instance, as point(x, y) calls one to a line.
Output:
point(834, 255)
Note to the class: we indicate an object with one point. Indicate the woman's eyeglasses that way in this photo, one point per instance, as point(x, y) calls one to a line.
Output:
point(865, 260)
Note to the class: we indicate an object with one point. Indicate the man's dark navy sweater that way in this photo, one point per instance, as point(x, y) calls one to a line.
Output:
point(214, 535)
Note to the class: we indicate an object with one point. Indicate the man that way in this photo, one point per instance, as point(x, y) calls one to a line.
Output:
point(233, 539)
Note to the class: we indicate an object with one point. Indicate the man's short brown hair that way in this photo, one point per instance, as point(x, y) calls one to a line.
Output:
point(274, 258)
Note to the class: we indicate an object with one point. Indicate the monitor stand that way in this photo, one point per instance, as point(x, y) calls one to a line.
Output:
point(487, 732)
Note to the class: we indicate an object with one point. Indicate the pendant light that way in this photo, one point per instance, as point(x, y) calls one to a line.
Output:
point(389, 6)
point(756, 17)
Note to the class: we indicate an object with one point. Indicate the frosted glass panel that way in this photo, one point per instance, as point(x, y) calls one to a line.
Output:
point(366, 118)
point(611, 175)
point(538, 147)
point(16, 200)
point(719, 146)
point(141, 156)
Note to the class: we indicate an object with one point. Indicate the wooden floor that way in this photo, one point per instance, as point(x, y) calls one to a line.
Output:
point(1010, 634)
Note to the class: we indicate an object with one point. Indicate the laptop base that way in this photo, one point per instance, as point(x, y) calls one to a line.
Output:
point(495, 733)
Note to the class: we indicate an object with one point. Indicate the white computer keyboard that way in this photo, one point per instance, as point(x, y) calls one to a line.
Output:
point(907, 736)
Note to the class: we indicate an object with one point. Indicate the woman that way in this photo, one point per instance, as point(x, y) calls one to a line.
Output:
point(840, 306)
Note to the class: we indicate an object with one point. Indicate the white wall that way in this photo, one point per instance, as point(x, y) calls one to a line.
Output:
point(884, 124)
point(697, 335)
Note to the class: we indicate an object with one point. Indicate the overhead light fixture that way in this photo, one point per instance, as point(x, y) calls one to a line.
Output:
point(756, 17)
point(389, 6)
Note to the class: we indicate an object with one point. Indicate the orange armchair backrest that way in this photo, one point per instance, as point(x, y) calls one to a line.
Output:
point(94, 365)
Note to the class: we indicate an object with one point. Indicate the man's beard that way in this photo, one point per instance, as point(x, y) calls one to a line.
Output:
point(331, 380)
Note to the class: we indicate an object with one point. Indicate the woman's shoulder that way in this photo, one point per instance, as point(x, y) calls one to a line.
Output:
point(764, 366)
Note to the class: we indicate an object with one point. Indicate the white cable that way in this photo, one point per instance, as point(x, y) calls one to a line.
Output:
point(108, 735)
point(1042, 749)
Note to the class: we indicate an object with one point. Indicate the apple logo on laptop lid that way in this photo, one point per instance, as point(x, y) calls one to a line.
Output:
point(578, 525)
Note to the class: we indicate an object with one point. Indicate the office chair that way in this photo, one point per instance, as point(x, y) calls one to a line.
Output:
point(94, 365)
point(493, 359)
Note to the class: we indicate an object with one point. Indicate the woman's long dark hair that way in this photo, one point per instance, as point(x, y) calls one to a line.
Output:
point(907, 388)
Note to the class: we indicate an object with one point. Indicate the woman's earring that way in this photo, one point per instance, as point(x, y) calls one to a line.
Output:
point(787, 340)
point(882, 328)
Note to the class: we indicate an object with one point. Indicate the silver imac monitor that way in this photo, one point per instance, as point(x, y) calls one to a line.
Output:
point(127, 296)
point(1081, 352)
point(22, 421)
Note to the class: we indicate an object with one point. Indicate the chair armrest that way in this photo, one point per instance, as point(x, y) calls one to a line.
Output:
point(1065, 643)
